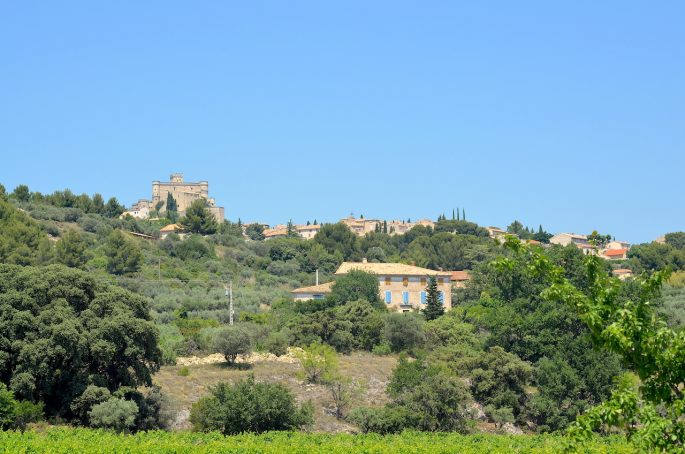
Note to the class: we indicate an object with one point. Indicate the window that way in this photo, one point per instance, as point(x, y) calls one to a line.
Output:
point(441, 281)
point(423, 297)
point(442, 297)
point(387, 280)
point(423, 281)
point(388, 297)
point(405, 297)
point(405, 281)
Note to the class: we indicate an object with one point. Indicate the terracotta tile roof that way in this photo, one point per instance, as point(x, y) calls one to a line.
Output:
point(460, 275)
point(275, 232)
point(622, 271)
point(321, 288)
point(170, 228)
point(615, 252)
point(394, 269)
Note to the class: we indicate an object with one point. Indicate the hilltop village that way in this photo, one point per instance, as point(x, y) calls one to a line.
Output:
point(442, 318)
point(171, 199)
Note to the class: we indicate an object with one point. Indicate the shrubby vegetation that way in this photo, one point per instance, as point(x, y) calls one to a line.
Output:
point(507, 353)
point(249, 406)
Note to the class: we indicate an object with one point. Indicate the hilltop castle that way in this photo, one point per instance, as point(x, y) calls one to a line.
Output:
point(183, 192)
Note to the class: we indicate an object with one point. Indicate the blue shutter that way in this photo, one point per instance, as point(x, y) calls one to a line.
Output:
point(405, 297)
point(388, 296)
point(442, 297)
point(423, 297)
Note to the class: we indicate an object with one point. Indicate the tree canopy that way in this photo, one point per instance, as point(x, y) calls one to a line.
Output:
point(62, 331)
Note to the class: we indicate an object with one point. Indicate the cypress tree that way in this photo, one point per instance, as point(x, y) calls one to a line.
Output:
point(458, 214)
point(171, 207)
point(453, 214)
point(434, 307)
point(463, 215)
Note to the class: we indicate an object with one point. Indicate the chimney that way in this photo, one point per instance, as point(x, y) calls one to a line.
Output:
point(364, 260)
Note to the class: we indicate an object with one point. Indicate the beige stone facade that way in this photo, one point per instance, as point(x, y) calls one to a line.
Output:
point(403, 287)
point(185, 193)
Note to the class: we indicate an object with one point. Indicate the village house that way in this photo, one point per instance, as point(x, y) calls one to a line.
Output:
point(579, 241)
point(459, 279)
point(313, 292)
point(403, 287)
point(308, 231)
point(140, 210)
point(497, 234)
point(618, 245)
point(564, 239)
point(615, 254)
point(168, 229)
point(279, 231)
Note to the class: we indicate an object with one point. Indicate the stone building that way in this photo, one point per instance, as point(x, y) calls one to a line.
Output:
point(402, 287)
point(183, 192)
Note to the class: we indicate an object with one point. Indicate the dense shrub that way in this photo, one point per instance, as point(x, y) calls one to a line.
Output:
point(403, 331)
point(116, 413)
point(248, 406)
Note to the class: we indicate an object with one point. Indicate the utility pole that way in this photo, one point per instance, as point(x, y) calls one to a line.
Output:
point(317, 276)
point(229, 294)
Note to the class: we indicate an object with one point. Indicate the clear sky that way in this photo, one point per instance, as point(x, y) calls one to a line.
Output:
point(565, 114)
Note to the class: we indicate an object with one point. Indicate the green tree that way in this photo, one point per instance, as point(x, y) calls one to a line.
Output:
point(71, 250)
point(356, 285)
point(255, 232)
point(233, 341)
point(15, 414)
point(676, 239)
point(337, 238)
point(319, 363)
point(403, 331)
point(113, 208)
point(499, 379)
point(291, 231)
point(650, 408)
point(198, 218)
point(365, 322)
point(248, 406)
point(61, 319)
point(82, 405)
point(116, 414)
point(171, 211)
point(21, 240)
point(22, 193)
point(434, 307)
point(98, 204)
point(123, 255)
point(516, 228)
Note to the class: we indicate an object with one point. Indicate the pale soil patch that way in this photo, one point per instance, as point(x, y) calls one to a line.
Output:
point(374, 371)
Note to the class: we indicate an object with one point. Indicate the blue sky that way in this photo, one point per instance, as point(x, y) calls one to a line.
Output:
point(565, 114)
